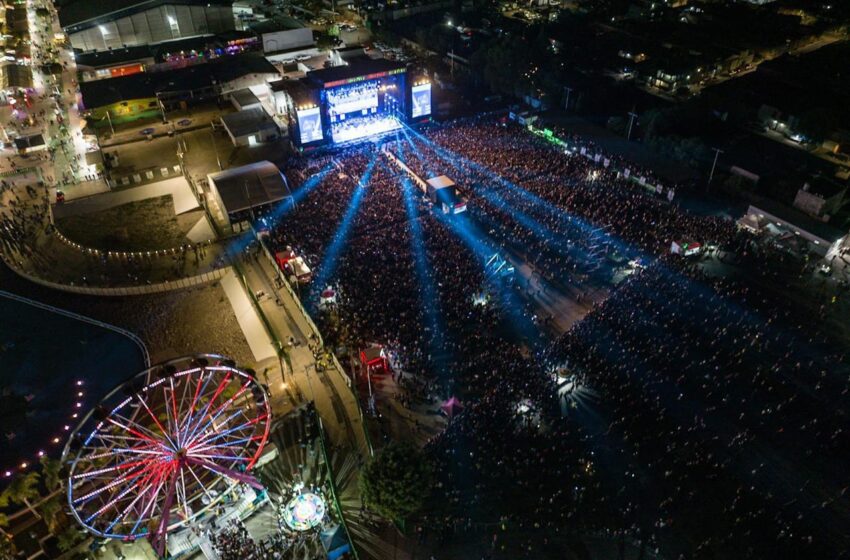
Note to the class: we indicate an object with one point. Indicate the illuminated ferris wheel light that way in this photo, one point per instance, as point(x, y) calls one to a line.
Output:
point(161, 457)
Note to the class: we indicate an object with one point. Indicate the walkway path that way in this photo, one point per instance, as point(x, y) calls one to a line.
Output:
point(250, 322)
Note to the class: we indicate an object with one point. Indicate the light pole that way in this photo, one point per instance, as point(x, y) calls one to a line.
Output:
point(632, 117)
point(161, 108)
point(569, 90)
point(717, 152)
point(109, 118)
point(215, 149)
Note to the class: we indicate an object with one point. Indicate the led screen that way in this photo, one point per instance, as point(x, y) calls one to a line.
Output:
point(421, 100)
point(310, 123)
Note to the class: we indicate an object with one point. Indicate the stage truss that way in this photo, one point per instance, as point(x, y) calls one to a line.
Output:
point(165, 447)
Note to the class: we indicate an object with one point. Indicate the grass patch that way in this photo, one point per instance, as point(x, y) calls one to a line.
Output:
point(144, 225)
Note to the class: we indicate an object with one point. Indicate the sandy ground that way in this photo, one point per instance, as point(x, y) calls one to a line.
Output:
point(171, 324)
point(145, 225)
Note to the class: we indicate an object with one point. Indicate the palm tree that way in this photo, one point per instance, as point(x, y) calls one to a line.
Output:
point(23, 489)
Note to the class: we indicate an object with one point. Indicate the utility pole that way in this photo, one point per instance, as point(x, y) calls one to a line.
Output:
point(161, 108)
point(632, 117)
point(717, 152)
point(109, 118)
point(569, 90)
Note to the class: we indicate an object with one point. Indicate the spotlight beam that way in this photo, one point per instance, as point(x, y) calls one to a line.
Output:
point(331, 257)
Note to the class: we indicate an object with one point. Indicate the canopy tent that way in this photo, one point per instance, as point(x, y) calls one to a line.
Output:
point(373, 358)
point(452, 407)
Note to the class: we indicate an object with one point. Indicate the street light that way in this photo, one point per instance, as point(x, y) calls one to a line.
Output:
point(632, 117)
point(717, 152)
point(569, 90)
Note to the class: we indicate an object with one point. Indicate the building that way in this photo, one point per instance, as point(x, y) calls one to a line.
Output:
point(792, 228)
point(248, 189)
point(160, 57)
point(243, 99)
point(820, 198)
point(29, 144)
point(100, 25)
point(287, 40)
point(159, 92)
point(250, 127)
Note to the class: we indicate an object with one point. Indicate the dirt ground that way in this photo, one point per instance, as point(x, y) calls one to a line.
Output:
point(144, 225)
point(171, 324)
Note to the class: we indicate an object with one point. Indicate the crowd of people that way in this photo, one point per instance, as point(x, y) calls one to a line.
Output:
point(708, 394)
point(234, 542)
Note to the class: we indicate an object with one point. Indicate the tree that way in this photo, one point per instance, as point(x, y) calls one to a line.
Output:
point(51, 473)
point(23, 489)
point(7, 545)
point(69, 538)
point(51, 510)
point(397, 481)
point(8, 550)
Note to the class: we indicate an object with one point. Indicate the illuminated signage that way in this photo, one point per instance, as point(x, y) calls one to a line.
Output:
point(365, 78)
point(310, 125)
point(421, 100)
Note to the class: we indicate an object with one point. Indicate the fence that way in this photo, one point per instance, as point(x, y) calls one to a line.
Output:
point(84, 319)
point(315, 329)
point(600, 157)
point(289, 289)
point(157, 288)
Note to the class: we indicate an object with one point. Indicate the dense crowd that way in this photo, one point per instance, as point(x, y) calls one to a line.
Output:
point(712, 423)
point(234, 542)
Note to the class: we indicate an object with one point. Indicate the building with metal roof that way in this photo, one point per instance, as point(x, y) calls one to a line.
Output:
point(249, 188)
point(99, 25)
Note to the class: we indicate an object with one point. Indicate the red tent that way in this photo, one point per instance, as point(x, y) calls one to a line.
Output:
point(374, 359)
point(284, 257)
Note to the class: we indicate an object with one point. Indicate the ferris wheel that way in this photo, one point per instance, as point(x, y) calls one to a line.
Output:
point(164, 447)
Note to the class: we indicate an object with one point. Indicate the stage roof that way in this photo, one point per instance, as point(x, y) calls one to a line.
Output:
point(440, 182)
point(251, 185)
point(359, 68)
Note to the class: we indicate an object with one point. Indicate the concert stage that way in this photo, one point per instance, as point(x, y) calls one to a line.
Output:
point(363, 99)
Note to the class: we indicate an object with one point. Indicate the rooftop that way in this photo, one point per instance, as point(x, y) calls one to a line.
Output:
point(86, 13)
point(244, 97)
point(250, 185)
point(144, 85)
point(247, 121)
point(158, 51)
point(825, 187)
point(277, 23)
point(800, 220)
